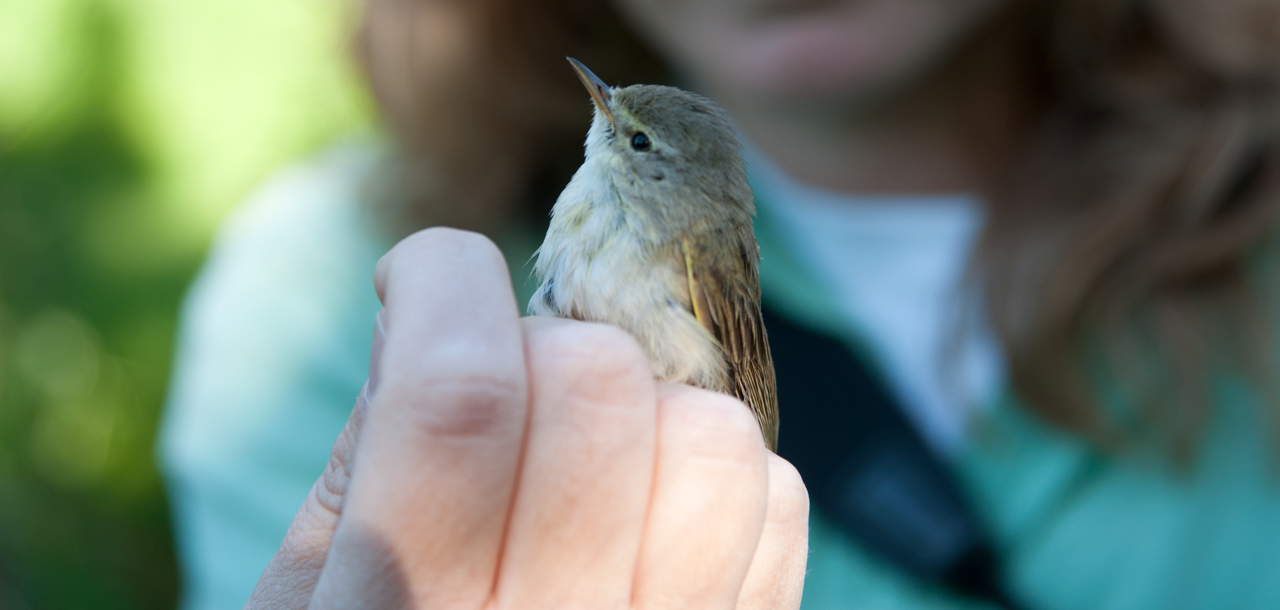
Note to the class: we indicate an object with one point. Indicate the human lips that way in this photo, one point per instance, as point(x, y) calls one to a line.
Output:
point(777, 8)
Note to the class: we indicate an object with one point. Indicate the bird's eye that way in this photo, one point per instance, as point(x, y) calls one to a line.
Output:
point(640, 142)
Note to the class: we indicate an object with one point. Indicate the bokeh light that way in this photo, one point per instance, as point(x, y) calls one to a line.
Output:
point(128, 129)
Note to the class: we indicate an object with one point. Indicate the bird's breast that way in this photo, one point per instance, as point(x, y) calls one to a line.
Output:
point(603, 261)
point(600, 261)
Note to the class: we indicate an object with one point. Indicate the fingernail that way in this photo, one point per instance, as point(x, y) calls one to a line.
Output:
point(375, 354)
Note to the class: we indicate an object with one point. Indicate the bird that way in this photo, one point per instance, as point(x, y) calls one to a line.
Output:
point(654, 234)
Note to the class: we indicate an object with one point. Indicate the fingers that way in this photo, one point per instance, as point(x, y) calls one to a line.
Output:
point(776, 577)
point(292, 574)
point(708, 505)
point(461, 490)
point(439, 452)
point(579, 515)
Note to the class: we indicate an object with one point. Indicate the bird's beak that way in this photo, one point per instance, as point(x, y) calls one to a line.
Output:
point(596, 87)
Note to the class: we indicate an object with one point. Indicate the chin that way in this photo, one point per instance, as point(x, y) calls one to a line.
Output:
point(810, 50)
point(857, 57)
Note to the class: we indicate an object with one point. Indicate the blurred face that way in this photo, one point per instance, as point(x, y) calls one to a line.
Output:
point(805, 50)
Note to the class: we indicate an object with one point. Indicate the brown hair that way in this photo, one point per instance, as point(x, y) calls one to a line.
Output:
point(477, 94)
point(1118, 256)
point(1117, 261)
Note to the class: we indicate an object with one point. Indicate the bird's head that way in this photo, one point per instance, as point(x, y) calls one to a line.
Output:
point(665, 140)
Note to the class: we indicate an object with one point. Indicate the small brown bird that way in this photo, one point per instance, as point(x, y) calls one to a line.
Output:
point(654, 235)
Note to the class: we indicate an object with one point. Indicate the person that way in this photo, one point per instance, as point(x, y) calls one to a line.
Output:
point(1044, 227)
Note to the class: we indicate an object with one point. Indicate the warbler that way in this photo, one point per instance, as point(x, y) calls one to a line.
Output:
point(653, 234)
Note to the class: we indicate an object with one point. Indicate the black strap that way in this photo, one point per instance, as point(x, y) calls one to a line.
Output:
point(869, 470)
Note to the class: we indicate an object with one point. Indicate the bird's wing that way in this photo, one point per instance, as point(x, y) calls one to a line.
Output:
point(724, 294)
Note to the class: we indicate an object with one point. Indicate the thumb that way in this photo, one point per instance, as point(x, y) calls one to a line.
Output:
point(291, 576)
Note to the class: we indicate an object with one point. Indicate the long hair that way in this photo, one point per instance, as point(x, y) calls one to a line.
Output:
point(487, 118)
point(1120, 258)
point(1122, 262)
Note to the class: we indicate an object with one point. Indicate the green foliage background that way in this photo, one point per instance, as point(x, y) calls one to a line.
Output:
point(128, 128)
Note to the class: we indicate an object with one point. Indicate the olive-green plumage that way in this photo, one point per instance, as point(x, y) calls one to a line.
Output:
point(654, 234)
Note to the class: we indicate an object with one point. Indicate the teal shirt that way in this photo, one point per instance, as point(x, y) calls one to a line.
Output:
point(274, 349)
point(1077, 529)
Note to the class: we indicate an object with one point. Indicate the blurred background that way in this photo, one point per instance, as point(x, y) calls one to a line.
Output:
point(128, 129)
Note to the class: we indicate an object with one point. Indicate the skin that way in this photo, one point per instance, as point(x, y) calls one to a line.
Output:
point(500, 462)
point(535, 463)
point(863, 96)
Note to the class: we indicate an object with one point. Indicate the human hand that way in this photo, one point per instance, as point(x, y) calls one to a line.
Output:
point(500, 462)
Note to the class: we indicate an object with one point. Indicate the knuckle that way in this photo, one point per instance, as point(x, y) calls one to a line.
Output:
point(331, 490)
point(717, 425)
point(317, 514)
point(788, 496)
point(476, 406)
point(591, 350)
